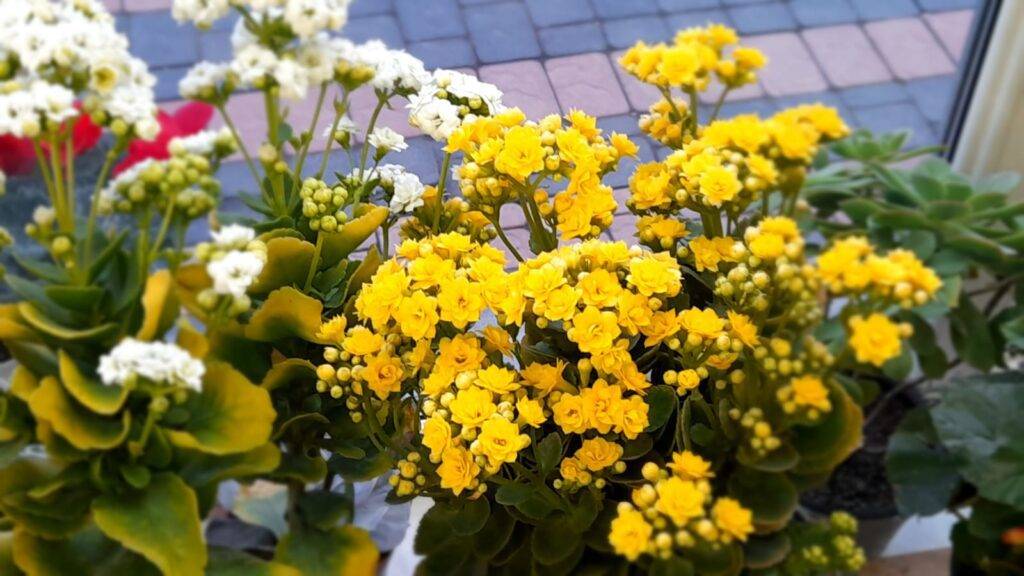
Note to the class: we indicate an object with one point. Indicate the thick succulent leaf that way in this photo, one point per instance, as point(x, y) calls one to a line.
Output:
point(160, 306)
point(341, 551)
point(23, 383)
point(38, 358)
point(38, 320)
point(160, 522)
point(80, 427)
point(202, 469)
point(226, 562)
point(79, 554)
point(288, 371)
point(56, 516)
point(191, 280)
point(101, 399)
point(192, 340)
point(229, 416)
point(286, 313)
point(288, 261)
point(351, 236)
point(923, 473)
point(82, 299)
point(823, 446)
point(770, 496)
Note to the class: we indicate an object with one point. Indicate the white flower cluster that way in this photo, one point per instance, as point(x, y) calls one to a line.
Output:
point(204, 143)
point(236, 259)
point(385, 139)
point(393, 70)
point(305, 18)
point(405, 187)
point(66, 49)
point(203, 80)
point(157, 362)
point(449, 99)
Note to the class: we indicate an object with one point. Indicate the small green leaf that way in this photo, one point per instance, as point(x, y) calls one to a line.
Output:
point(339, 245)
point(923, 473)
point(770, 496)
point(288, 262)
point(548, 452)
point(662, 401)
point(324, 509)
point(286, 313)
point(471, 517)
point(554, 539)
point(513, 493)
point(35, 318)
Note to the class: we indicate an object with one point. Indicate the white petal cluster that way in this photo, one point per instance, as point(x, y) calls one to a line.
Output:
point(67, 50)
point(203, 143)
point(387, 140)
point(405, 187)
point(233, 236)
point(156, 362)
point(449, 99)
point(233, 273)
point(203, 80)
point(393, 70)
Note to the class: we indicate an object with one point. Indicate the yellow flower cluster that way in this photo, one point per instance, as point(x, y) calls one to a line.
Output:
point(457, 216)
point(508, 159)
point(851, 265)
point(675, 510)
point(877, 339)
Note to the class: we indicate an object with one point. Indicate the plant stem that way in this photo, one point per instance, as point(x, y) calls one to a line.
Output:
point(330, 138)
point(45, 171)
point(274, 133)
point(238, 139)
point(505, 239)
point(315, 263)
point(718, 105)
point(382, 100)
point(312, 129)
point(162, 233)
point(442, 183)
point(101, 181)
point(69, 160)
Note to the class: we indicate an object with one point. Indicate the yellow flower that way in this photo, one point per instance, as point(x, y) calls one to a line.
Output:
point(767, 246)
point(634, 312)
point(417, 316)
point(601, 405)
point(384, 375)
point(843, 264)
point(600, 288)
point(541, 281)
point(702, 322)
point(750, 58)
point(522, 154)
point(361, 341)
point(437, 436)
point(680, 65)
point(499, 441)
point(458, 469)
point(596, 454)
point(530, 412)
point(742, 328)
point(460, 354)
point(568, 414)
point(460, 302)
point(571, 469)
point(719, 185)
point(662, 325)
point(613, 359)
point(687, 380)
point(332, 331)
point(630, 534)
point(631, 378)
point(594, 330)
point(559, 304)
point(430, 271)
point(497, 379)
point(690, 466)
point(437, 382)
point(655, 274)
point(808, 390)
point(732, 519)
point(709, 252)
point(496, 339)
point(649, 186)
point(472, 407)
point(545, 378)
point(623, 145)
point(762, 168)
point(631, 417)
point(875, 339)
point(680, 500)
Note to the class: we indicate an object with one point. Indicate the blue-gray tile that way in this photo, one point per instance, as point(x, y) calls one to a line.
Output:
point(645, 153)
point(572, 39)
point(896, 117)
point(762, 18)
point(375, 27)
point(160, 41)
point(687, 5)
point(444, 53)
point(429, 20)
point(822, 12)
point(884, 9)
point(369, 7)
point(502, 32)
point(742, 2)
point(760, 106)
point(624, 8)
point(227, 23)
point(421, 158)
point(557, 12)
point(167, 82)
point(624, 124)
point(700, 18)
point(625, 32)
point(215, 46)
point(874, 94)
point(939, 5)
point(933, 96)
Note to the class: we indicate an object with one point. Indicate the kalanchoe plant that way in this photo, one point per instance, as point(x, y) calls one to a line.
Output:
point(112, 441)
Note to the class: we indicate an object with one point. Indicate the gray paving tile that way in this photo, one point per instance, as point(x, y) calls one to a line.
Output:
point(762, 18)
point(429, 20)
point(444, 53)
point(623, 8)
point(369, 7)
point(933, 96)
point(625, 32)
point(215, 46)
point(557, 12)
point(822, 12)
point(687, 5)
point(384, 27)
point(167, 82)
point(874, 94)
point(884, 9)
point(895, 117)
point(160, 41)
point(941, 5)
point(572, 39)
point(502, 32)
point(698, 18)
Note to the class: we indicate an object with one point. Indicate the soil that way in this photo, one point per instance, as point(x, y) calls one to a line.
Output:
point(859, 485)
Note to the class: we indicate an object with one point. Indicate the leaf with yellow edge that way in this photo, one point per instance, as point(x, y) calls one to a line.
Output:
point(81, 428)
point(286, 313)
point(51, 518)
point(192, 340)
point(367, 268)
point(288, 261)
point(23, 383)
point(35, 318)
point(287, 371)
point(79, 554)
point(105, 400)
point(226, 562)
point(11, 329)
point(203, 469)
point(229, 416)
point(160, 522)
point(38, 358)
point(341, 551)
point(824, 446)
point(160, 305)
point(351, 236)
point(191, 279)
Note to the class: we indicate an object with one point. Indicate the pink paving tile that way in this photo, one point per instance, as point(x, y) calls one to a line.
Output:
point(301, 115)
point(112, 5)
point(624, 227)
point(952, 28)
point(525, 85)
point(587, 82)
point(743, 93)
point(363, 102)
point(247, 112)
point(640, 95)
point(621, 195)
point(791, 69)
point(909, 48)
point(512, 216)
point(846, 55)
point(146, 5)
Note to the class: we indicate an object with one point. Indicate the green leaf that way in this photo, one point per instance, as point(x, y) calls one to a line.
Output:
point(202, 469)
point(340, 551)
point(672, 566)
point(81, 428)
point(930, 356)
point(367, 467)
point(548, 452)
point(923, 473)
point(471, 517)
point(827, 443)
point(662, 401)
point(79, 554)
point(770, 496)
point(555, 539)
point(339, 245)
point(101, 399)
point(83, 299)
point(761, 552)
point(35, 318)
point(160, 305)
point(160, 522)
point(288, 262)
point(495, 534)
point(972, 336)
point(983, 250)
point(513, 493)
point(297, 370)
point(899, 368)
point(226, 562)
point(1012, 329)
point(285, 314)
point(263, 504)
point(229, 416)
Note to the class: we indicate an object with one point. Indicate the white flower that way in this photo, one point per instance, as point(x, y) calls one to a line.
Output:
point(434, 117)
point(393, 69)
point(233, 235)
point(308, 17)
point(292, 78)
point(157, 362)
point(202, 12)
point(203, 143)
point(408, 193)
point(253, 63)
point(470, 89)
point(345, 126)
point(202, 78)
point(387, 140)
point(235, 272)
point(44, 216)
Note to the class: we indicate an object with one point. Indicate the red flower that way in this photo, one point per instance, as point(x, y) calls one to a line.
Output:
point(17, 156)
point(188, 120)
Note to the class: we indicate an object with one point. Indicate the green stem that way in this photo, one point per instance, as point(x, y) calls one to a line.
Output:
point(69, 160)
point(312, 131)
point(162, 233)
point(385, 241)
point(694, 112)
point(274, 133)
point(330, 139)
point(66, 221)
point(238, 139)
point(45, 171)
point(101, 181)
point(315, 263)
point(442, 183)
point(718, 105)
point(382, 100)
point(505, 239)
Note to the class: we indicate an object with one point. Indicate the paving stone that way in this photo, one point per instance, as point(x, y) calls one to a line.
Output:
point(822, 12)
point(215, 46)
point(369, 7)
point(444, 53)
point(640, 95)
point(160, 41)
point(525, 85)
point(624, 124)
point(624, 33)
point(710, 96)
point(146, 5)
point(512, 216)
point(421, 158)
point(685, 20)
point(235, 177)
point(382, 27)
point(502, 32)
point(846, 55)
point(621, 197)
point(874, 94)
point(300, 115)
point(624, 227)
point(953, 29)
point(742, 2)
point(227, 23)
point(909, 48)
point(572, 39)
point(884, 9)
point(934, 96)
point(939, 5)
point(893, 117)
point(112, 6)
point(556, 12)
point(791, 69)
point(762, 18)
point(687, 5)
point(167, 82)
point(587, 82)
point(623, 8)
point(763, 107)
point(246, 111)
point(429, 20)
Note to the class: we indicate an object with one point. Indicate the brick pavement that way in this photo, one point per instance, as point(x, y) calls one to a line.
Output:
point(886, 64)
